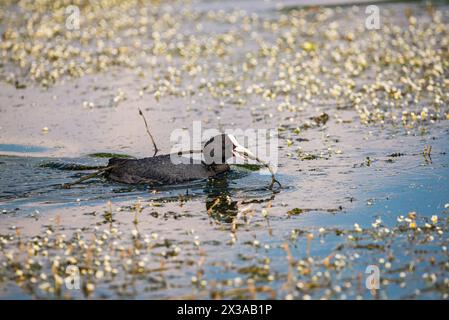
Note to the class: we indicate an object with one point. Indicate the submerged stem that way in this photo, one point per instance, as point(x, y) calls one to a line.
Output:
point(87, 177)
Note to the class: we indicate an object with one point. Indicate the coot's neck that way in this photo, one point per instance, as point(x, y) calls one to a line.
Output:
point(217, 168)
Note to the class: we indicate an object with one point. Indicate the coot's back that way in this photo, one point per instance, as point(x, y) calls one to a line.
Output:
point(159, 170)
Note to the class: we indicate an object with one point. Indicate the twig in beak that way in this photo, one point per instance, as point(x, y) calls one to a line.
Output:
point(273, 178)
point(149, 133)
point(243, 152)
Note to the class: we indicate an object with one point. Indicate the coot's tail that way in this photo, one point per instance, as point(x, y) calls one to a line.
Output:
point(69, 166)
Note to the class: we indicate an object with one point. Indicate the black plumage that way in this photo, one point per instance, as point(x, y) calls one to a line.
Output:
point(175, 168)
point(159, 170)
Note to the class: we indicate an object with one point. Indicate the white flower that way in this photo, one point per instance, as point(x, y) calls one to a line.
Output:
point(264, 213)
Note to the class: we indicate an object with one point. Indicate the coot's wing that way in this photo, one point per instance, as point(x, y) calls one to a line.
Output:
point(154, 171)
point(166, 170)
point(127, 171)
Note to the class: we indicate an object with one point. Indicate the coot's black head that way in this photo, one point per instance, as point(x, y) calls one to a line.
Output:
point(222, 147)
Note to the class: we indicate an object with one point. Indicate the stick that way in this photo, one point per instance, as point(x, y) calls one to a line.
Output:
point(149, 133)
point(273, 179)
point(266, 165)
point(86, 177)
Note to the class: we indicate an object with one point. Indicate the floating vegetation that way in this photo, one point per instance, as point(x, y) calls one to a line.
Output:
point(248, 166)
point(106, 257)
point(295, 59)
point(361, 117)
point(295, 211)
point(321, 119)
point(109, 155)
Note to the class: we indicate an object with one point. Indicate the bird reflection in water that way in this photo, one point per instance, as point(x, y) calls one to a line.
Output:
point(219, 204)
